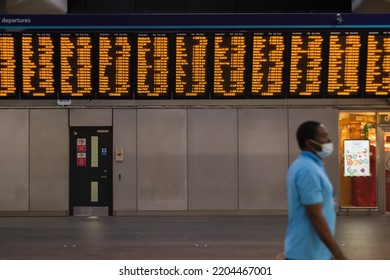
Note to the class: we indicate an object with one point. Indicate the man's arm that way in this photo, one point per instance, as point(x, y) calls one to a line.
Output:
point(321, 227)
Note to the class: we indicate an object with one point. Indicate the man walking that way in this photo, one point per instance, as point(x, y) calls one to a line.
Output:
point(311, 211)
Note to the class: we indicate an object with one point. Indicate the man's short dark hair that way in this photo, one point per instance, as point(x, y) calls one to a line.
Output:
point(306, 131)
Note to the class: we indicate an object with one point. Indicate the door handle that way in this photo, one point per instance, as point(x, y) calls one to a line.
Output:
point(103, 177)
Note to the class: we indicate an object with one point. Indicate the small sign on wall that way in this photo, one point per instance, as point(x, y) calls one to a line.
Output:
point(81, 145)
point(81, 159)
point(356, 158)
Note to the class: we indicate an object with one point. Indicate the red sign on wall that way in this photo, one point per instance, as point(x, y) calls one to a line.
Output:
point(81, 145)
point(81, 159)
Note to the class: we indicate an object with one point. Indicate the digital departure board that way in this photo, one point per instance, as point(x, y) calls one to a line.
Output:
point(114, 65)
point(195, 64)
point(191, 65)
point(229, 65)
point(76, 65)
point(7, 65)
point(38, 65)
point(268, 64)
point(306, 64)
point(343, 64)
point(152, 65)
point(377, 74)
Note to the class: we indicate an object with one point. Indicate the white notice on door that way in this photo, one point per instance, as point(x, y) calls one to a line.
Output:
point(356, 158)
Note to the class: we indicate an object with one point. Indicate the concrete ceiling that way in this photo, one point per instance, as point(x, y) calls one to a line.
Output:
point(60, 6)
point(371, 6)
point(37, 6)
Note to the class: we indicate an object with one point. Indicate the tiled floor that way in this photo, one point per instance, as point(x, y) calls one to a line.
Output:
point(74, 238)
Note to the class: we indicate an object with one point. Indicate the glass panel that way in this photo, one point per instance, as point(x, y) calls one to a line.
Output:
point(94, 191)
point(387, 168)
point(358, 191)
point(94, 151)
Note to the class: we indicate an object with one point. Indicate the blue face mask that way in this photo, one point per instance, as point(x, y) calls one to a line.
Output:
point(326, 151)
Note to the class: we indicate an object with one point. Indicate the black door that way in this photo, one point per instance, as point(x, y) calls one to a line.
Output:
point(90, 190)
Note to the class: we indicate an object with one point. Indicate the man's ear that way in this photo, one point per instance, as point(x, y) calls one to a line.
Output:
point(308, 144)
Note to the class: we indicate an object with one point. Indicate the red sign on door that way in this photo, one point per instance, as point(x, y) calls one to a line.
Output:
point(81, 145)
point(81, 159)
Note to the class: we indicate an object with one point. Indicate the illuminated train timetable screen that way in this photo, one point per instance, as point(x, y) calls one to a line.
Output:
point(109, 64)
point(377, 76)
point(114, 65)
point(268, 56)
point(153, 65)
point(344, 64)
point(38, 65)
point(306, 64)
point(191, 65)
point(76, 65)
point(7, 65)
point(229, 64)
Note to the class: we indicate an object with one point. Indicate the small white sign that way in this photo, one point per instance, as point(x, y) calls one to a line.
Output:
point(81, 141)
point(356, 158)
point(81, 155)
point(64, 102)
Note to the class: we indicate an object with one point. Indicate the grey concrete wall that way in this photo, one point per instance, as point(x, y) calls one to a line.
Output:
point(212, 159)
point(174, 159)
point(162, 159)
point(14, 171)
point(125, 137)
point(90, 117)
point(49, 160)
point(263, 159)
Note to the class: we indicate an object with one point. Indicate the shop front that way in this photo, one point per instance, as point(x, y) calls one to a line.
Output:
point(364, 161)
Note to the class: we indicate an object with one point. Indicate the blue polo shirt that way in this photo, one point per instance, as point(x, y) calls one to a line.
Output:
point(307, 183)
